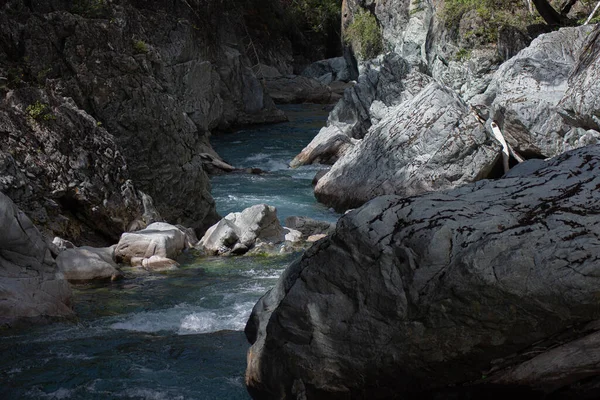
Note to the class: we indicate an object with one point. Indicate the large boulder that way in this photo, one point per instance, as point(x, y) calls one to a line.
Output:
point(88, 263)
point(239, 232)
point(524, 94)
point(432, 142)
point(383, 83)
point(158, 239)
point(451, 289)
point(309, 227)
point(31, 287)
point(294, 89)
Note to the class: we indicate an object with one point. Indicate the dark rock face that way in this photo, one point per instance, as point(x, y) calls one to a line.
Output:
point(432, 142)
point(295, 89)
point(156, 77)
point(411, 295)
point(64, 169)
point(31, 288)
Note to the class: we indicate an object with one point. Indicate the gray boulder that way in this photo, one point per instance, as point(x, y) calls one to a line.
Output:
point(432, 142)
point(294, 89)
point(240, 232)
point(491, 282)
point(336, 68)
point(389, 81)
point(160, 239)
point(88, 263)
point(525, 92)
point(580, 105)
point(31, 287)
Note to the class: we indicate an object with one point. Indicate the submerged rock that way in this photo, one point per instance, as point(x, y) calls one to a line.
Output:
point(88, 263)
point(414, 295)
point(31, 287)
point(432, 142)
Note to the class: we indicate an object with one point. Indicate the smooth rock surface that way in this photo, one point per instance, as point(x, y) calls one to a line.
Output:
point(88, 263)
point(31, 287)
point(413, 295)
point(432, 142)
point(158, 239)
point(309, 227)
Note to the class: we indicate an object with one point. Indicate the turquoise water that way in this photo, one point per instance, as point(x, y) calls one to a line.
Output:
point(271, 148)
point(176, 335)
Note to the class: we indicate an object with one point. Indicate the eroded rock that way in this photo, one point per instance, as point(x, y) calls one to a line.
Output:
point(414, 295)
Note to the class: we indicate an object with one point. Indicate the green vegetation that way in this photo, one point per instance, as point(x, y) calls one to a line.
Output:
point(364, 34)
point(140, 46)
point(39, 110)
point(318, 15)
point(462, 54)
point(495, 14)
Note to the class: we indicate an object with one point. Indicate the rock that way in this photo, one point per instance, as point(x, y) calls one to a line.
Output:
point(315, 238)
point(158, 263)
point(222, 235)
point(309, 227)
point(525, 92)
point(62, 244)
point(292, 235)
point(31, 286)
point(88, 263)
point(266, 71)
point(389, 80)
point(336, 68)
point(64, 170)
point(511, 41)
point(240, 232)
point(412, 296)
point(160, 239)
point(580, 105)
point(294, 89)
point(432, 142)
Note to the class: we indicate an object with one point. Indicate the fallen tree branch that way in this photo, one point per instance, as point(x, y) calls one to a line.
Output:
point(593, 13)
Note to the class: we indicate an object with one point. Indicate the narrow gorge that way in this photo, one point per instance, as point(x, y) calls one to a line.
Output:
point(225, 199)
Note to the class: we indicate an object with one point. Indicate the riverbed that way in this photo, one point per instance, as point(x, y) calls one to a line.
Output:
point(179, 334)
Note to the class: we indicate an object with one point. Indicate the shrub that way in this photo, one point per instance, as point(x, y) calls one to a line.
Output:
point(140, 46)
point(39, 110)
point(364, 34)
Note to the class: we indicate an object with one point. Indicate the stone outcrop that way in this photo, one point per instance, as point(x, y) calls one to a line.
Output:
point(295, 89)
point(64, 169)
point(580, 105)
point(491, 282)
point(88, 263)
point(158, 239)
point(31, 287)
point(524, 94)
point(309, 227)
point(330, 70)
point(240, 232)
point(432, 142)
point(385, 82)
point(127, 90)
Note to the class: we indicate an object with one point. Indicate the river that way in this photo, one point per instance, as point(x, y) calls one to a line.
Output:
point(174, 335)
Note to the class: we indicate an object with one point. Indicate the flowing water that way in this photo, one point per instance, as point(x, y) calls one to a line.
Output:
point(175, 335)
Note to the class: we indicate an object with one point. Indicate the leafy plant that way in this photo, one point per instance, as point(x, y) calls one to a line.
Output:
point(140, 46)
point(39, 110)
point(364, 34)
